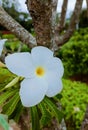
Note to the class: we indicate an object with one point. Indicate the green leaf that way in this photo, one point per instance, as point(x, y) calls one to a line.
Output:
point(13, 82)
point(10, 106)
point(5, 95)
point(35, 118)
point(3, 122)
point(57, 97)
point(18, 111)
point(46, 116)
point(5, 77)
point(55, 111)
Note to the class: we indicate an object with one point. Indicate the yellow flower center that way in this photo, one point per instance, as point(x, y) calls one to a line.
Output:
point(40, 71)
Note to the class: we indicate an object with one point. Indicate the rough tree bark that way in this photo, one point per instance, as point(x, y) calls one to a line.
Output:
point(41, 12)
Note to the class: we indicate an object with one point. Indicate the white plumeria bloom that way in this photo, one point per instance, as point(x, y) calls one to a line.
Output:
point(41, 71)
point(2, 44)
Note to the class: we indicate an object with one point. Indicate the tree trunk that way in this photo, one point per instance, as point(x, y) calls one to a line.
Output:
point(41, 12)
point(61, 23)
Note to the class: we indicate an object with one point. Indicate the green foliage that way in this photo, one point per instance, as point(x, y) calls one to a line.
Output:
point(44, 112)
point(54, 109)
point(35, 118)
point(13, 44)
point(25, 49)
point(46, 115)
point(11, 104)
point(9, 97)
point(8, 36)
point(74, 54)
point(17, 112)
point(6, 95)
point(5, 77)
point(74, 100)
point(49, 110)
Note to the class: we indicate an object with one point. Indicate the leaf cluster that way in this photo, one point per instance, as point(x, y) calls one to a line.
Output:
point(74, 53)
point(13, 44)
point(44, 113)
point(74, 101)
point(9, 97)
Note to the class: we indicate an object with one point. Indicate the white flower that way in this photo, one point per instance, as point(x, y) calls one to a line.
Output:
point(2, 44)
point(41, 71)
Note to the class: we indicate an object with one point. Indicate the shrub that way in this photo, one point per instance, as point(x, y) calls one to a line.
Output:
point(74, 100)
point(74, 54)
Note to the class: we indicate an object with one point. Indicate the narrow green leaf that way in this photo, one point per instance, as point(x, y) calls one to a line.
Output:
point(13, 82)
point(57, 113)
point(5, 77)
point(57, 97)
point(10, 106)
point(18, 111)
point(46, 116)
point(5, 95)
point(3, 122)
point(35, 118)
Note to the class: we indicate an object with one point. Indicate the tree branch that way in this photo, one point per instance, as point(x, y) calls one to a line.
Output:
point(53, 21)
point(60, 40)
point(61, 23)
point(21, 33)
point(87, 3)
point(87, 7)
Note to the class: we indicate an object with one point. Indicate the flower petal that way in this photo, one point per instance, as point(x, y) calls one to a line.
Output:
point(32, 91)
point(20, 64)
point(54, 85)
point(41, 55)
point(2, 44)
point(55, 65)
